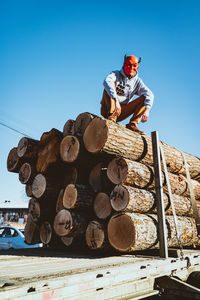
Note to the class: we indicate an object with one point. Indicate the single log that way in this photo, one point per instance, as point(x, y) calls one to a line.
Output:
point(44, 187)
point(68, 128)
point(70, 222)
point(46, 232)
point(59, 202)
point(14, 162)
point(67, 241)
point(34, 209)
point(70, 175)
point(31, 231)
point(99, 180)
point(129, 231)
point(28, 190)
point(27, 148)
point(69, 148)
point(78, 196)
point(96, 236)
point(129, 199)
point(102, 206)
point(106, 136)
point(121, 170)
point(82, 122)
point(49, 150)
point(26, 173)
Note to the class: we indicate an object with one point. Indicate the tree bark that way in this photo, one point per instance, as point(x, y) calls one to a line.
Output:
point(102, 207)
point(28, 190)
point(96, 236)
point(106, 136)
point(14, 162)
point(129, 231)
point(121, 170)
point(129, 199)
point(49, 150)
point(78, 196)
point(68, 128)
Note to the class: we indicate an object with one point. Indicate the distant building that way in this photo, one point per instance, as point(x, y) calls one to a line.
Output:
point(13, 211)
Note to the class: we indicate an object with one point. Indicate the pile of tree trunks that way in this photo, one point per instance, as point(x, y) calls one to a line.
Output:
point(92, 186)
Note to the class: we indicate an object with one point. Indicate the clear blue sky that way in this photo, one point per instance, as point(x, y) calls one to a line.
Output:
point(54, 56)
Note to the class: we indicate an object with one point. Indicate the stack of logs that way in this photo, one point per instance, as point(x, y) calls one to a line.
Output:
point(93, 184)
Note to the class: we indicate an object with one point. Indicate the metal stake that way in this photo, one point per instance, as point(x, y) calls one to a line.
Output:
point(162, 230)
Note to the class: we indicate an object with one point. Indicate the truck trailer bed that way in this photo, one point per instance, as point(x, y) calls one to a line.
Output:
point(47, 274)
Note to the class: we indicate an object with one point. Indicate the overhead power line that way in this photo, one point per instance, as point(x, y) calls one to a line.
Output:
point(13, 129)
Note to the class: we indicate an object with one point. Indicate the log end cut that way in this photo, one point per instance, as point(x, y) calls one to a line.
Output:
point(69, 148)
point(45, 233)
point(70, 196)
point(117, 170)
point(95, 135)
point(121, 232)
point(102, 206)
point(119, 198)
point(63, 222)
point(95, 236)
point(39, 185)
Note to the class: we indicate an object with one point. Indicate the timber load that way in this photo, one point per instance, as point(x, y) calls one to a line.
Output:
point(92, 186)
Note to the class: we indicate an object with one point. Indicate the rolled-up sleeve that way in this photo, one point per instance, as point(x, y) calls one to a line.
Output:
point(144, 90)
point(109, 85)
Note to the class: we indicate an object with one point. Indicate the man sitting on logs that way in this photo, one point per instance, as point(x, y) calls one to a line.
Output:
point(119, 89)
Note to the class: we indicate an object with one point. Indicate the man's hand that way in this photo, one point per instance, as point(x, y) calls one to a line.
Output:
point(145, 115)
point(117, 110)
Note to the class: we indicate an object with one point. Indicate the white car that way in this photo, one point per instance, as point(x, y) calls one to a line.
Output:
point(13, 238)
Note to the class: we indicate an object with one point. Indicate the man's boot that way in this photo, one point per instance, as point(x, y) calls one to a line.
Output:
point(133, 127)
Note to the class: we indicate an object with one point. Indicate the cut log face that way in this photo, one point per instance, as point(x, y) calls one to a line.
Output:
point(95, 235)
point(69, 149)
point(119, 198)
point(28, 190)
point(63, 222)
point(79, 196)
point(59, 202)
point(31, 231)
point(70, 196)
point(13, 161)
point(95, 135)
point(117, 170)
point(102, 206)
point(45, 233)
point(68, 128)
point(121, 232)
point(49, 150)
point(82, 122)
point(39, 185)
point(67, 241)
point(26, 173)
point(34, 209)
point(27, 147)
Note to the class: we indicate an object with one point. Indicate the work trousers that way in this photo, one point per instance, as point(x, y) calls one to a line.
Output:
point(135, 108)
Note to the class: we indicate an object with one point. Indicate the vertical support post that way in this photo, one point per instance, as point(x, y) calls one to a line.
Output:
point(162, 230)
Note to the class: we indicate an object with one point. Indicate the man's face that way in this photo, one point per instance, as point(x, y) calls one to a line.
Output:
point(131, 65)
